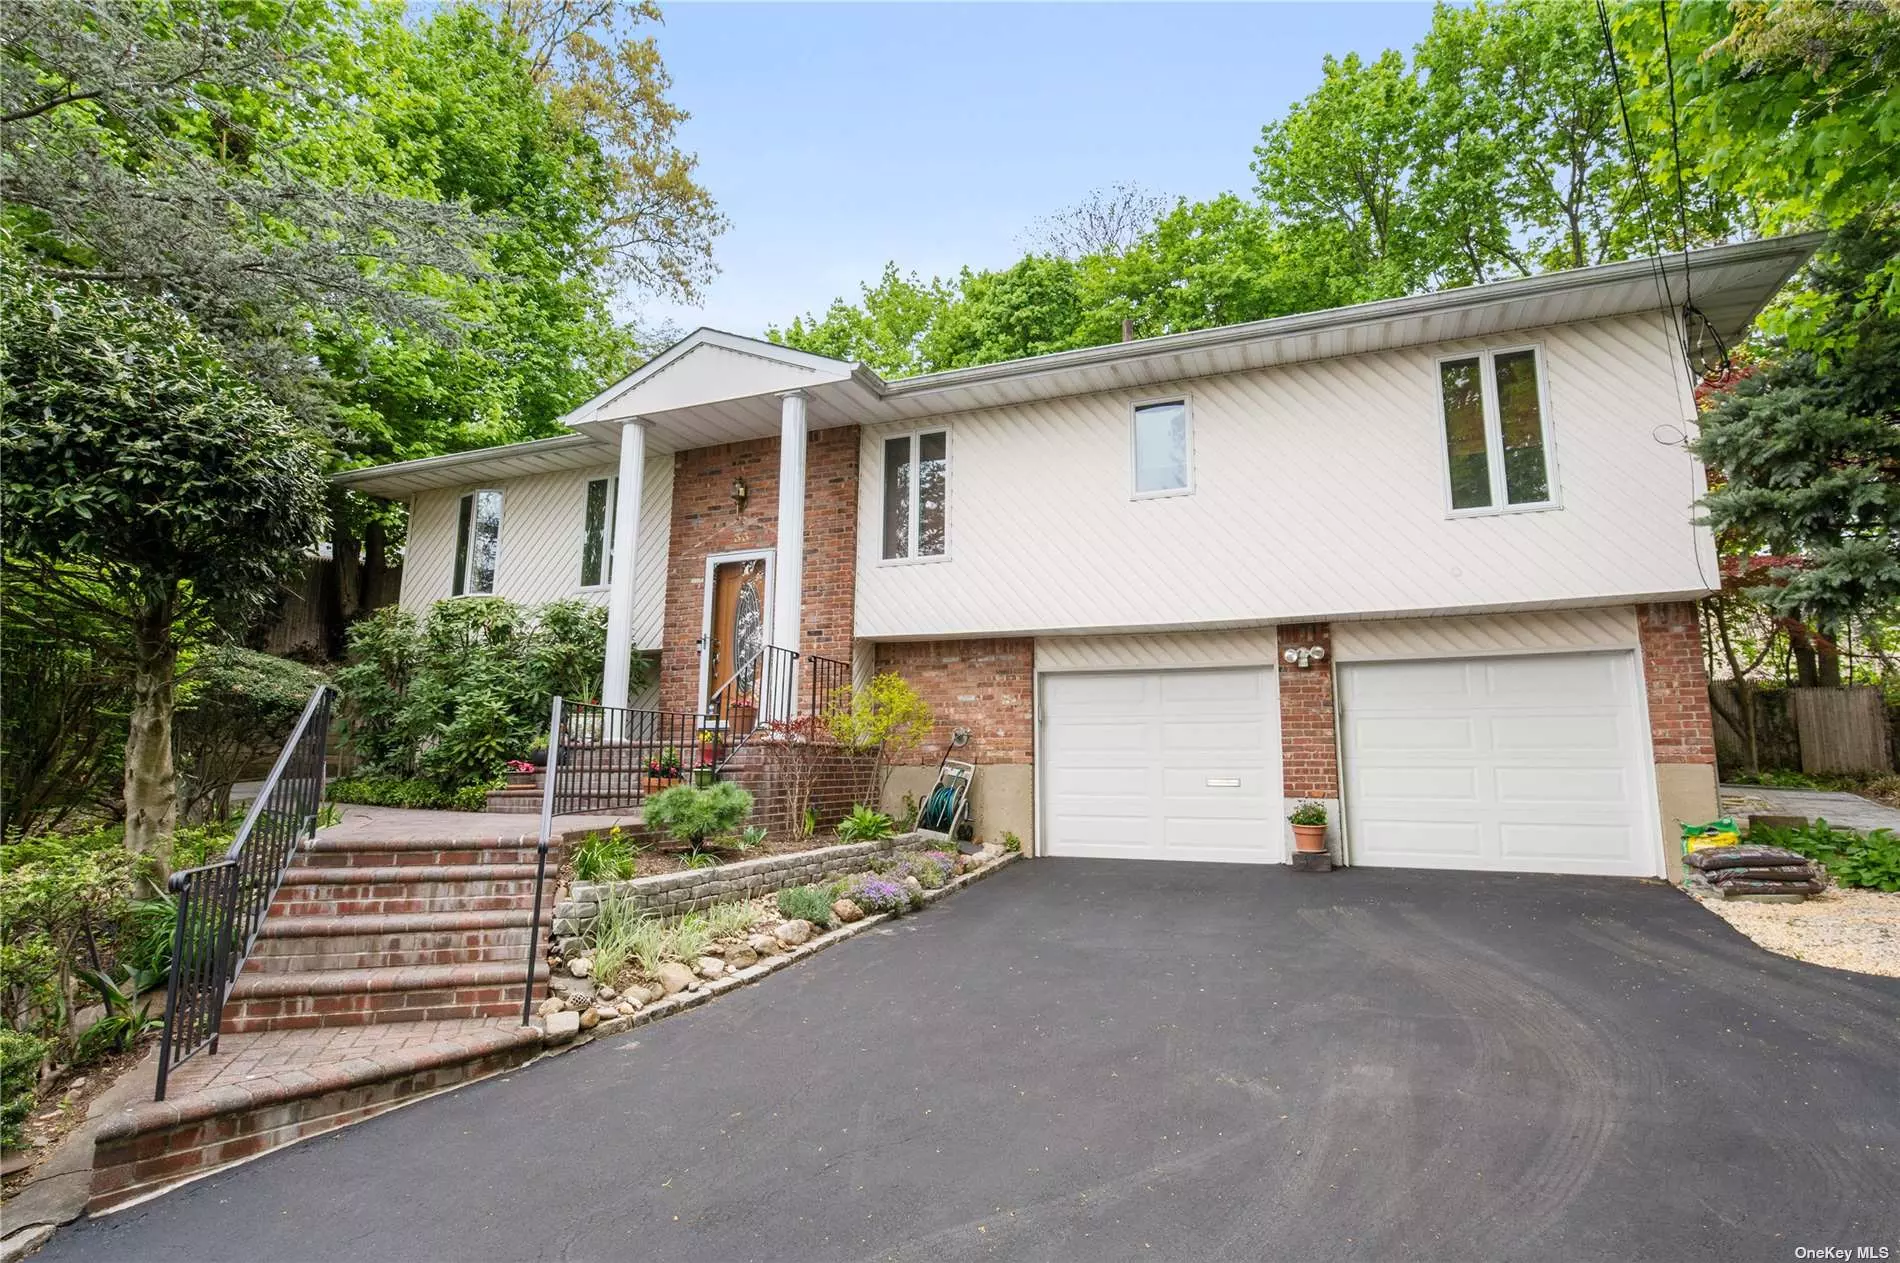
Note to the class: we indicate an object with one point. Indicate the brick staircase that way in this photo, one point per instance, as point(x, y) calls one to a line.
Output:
point(392, 931)
point(384, 970)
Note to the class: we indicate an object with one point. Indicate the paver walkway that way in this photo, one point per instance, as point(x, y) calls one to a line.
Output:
point(1849, 811)
point(1105, 1061)
point(261, 1060)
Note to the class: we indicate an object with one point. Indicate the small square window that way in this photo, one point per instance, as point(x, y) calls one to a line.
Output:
point(916, 492)
point(1162, 448)
point(1497, 431)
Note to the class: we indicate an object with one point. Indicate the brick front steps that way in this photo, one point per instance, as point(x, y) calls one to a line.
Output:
point(263, 1091)
point(386, 968)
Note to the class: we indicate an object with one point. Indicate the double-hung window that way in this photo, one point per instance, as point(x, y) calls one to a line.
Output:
point(477, 543)
point(1162, 446)
point(916, 483)
point(597, 532)
point(1497, 431)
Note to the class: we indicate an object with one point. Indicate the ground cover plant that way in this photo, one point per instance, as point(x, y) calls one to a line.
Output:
point(1870, 861)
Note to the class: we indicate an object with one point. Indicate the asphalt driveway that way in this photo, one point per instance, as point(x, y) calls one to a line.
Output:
point(1100, 1061)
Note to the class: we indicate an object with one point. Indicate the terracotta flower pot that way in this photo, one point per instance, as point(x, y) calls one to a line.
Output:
point(1309, 837)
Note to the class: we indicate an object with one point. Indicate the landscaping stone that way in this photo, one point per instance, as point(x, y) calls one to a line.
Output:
point(550, 1006)
point(709, 966)
point(605, 1013)
point(570, 945)
point(626, 1008)
point(580, 967)
point(608, 993)
point(913, 885)
point(792, 933)
point(563, 1026)
point(847, 911)
point(763, 944)
point(590, 1018)
point(643, 992)
point(741, 957)
point(578, 990)
point(675, 977)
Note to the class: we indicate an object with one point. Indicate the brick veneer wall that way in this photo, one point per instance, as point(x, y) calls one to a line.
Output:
point(672, 894)
point(840, 779)
point(987, 686)
point(705, 521)
point(1681, 727)
point(1309, 747)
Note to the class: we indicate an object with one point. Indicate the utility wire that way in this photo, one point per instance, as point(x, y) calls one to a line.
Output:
point(1689, 310)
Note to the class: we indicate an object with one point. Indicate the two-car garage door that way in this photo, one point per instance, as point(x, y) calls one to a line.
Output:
point(1534, 763)
point(1517, 764)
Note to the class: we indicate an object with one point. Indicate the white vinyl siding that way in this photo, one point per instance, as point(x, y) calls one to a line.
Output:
point(541, 535)
point(1525, 763)
point(915, 486)
point(1318, 491)
point(1497, 431)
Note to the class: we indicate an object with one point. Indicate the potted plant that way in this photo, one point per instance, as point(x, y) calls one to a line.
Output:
point(1309, 827)
point(707, 771)
point(663, 769)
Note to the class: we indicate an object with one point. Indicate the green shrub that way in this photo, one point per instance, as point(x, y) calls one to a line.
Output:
point(1011, 842)
point(20, 1058)
point(690, 814)
point(149, 934)
point(455, 694)
point(126, 1017)
point(1867, 860)
point(931, 868)
point(604, 857)
point(864, 824)
point(728, 920)
point(806, 903)
point(56, 895)
point(236, 708)
point(390, 791)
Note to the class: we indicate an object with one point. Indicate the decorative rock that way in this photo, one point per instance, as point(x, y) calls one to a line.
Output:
point(741, 957)
point(550, 1006)
point(571, 945)
point(710, 966)
point(763, 944)
point(913, 885)
point(563, 1026)
point(675, 977)
point(847, 911)
point(626, 1008)
point(580, 967)
point(644, 992)
point(792, 933)
point(605, 1012)
point(590, 1018)
point(578, 990)
point(608, 993)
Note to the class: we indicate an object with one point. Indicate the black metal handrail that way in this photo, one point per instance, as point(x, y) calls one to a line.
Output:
point(827, 688)
point(609, 758)
point(222, 904)
point(763, 691)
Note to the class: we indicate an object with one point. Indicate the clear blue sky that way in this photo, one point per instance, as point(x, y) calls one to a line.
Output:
point(837, 136)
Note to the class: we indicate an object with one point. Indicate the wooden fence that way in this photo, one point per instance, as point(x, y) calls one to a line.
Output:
point(1842, 730)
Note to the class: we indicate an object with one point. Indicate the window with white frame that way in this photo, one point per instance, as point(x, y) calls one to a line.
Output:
point(597, 532)
point(916, 483)
point(1162, 445)
point(477, 543)
point(1497, 431)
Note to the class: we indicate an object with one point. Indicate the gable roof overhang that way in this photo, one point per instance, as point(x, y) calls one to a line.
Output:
point(713, 387)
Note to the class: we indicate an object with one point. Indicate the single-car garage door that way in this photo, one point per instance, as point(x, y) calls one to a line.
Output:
point(1181, 765)
point(1531, 764)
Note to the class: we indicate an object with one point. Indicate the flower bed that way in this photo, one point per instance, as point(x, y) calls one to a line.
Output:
point(627, 963)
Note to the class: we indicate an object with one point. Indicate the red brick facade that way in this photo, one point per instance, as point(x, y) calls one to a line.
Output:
point(706, 521)
point(987, 686)
point(1680, 725)
point(1309, 750)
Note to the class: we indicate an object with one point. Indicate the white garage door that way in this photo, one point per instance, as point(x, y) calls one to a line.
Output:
point(1181, 765)
point(1530, 764)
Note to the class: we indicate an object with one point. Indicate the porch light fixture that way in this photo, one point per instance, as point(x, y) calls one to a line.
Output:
point(1304, 656)
point(739, 493)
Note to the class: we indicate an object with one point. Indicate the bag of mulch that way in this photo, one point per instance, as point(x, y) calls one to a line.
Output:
point(1713, 858)
point(1789, 872)
point(1809, 887)
point(1723, 832)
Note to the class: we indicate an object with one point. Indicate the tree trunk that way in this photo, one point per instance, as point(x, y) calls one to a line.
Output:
point(1827, 658)
point(1807, 672)
point(151, 781)
point(1744, 687)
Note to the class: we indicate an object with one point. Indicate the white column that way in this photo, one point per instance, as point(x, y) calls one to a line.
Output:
point(620, 589)
point(789, 580)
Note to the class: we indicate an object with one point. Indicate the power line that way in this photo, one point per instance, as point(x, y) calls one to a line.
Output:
point(1689, 309)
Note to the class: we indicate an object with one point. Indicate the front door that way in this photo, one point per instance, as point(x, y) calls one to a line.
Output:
point(737, 635)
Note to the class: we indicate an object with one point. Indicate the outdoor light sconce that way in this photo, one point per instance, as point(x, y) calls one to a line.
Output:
point(739, 493)
point(1305, 656)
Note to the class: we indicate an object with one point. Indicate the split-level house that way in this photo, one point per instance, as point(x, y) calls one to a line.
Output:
point(1431, 561)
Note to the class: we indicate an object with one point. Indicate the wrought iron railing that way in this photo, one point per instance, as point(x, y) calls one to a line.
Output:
point(607, 758)
point(827, 688)
point(762, 691)
point(222, 904)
